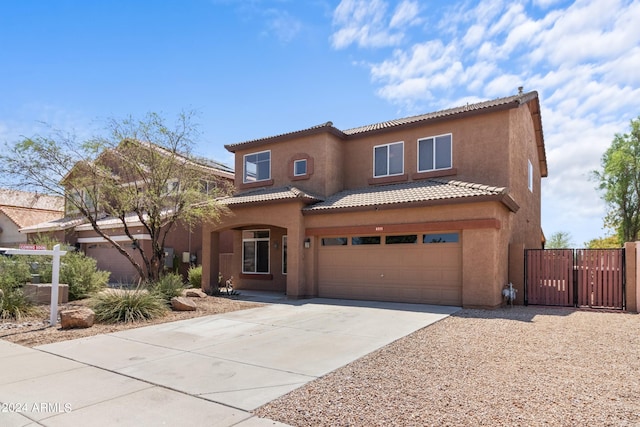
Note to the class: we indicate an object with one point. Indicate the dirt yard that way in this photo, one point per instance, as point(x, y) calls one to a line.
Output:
point(524, 366)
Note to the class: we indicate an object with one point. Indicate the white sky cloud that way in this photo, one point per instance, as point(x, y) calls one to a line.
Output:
point(583, 58)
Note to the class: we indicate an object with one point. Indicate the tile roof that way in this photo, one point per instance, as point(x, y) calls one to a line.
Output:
point(54, 225)
point(518, 99)
point(408, 192)
point(506, 102)
point(328, 126)
point(24, 217)
point(26, 199)
point(270, 195)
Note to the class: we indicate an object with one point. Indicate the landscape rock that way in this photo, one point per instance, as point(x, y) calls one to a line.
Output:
point(182, 304)
point(77, 318)
point(195, 293)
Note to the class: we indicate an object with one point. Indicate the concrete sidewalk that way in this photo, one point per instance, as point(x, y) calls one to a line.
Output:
point(204, 371)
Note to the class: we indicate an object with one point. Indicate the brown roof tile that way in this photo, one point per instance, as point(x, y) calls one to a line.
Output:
point(409, 192)
point(26, 199)
point(269, 195)
point(515, 99)
point(24, 217)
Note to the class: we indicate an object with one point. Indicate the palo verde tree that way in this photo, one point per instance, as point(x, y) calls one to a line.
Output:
point(619, 180)
point(142, 174)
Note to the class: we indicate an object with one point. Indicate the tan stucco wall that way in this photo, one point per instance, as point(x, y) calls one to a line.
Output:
point(10, 236)
point(475, 154)
point(280, 219)
point(324, 150)
point(526, 224)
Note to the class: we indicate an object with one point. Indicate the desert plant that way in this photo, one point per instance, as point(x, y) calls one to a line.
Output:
point(168, 286)
point(13, 304)
point(114, 306)
point(14, 271)
point(194, 276)
point(81, 274)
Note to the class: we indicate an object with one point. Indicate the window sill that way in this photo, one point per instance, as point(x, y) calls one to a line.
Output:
point(300, 177)
point(388, 179)
point(434, 174)
point(257, 184)
point(256, 276)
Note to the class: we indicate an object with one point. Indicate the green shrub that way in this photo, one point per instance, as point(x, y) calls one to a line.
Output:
point(81, 274)
point(168, 286)
point(194, 276)
point(14, 271)
point(13, 304)
point(114, 306)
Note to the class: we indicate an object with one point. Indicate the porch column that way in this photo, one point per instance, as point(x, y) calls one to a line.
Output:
point(210, 259)
point(632, 273)
point(296, 284)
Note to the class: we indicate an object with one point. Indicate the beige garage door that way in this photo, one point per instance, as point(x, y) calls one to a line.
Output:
point(109, 259)
point(425, 269)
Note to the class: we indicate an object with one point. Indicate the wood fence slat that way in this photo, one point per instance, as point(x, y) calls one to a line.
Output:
point(597, 275)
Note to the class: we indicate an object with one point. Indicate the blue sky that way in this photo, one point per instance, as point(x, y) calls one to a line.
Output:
point(255, 68)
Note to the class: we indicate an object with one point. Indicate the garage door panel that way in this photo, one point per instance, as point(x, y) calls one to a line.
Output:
point(422, 273)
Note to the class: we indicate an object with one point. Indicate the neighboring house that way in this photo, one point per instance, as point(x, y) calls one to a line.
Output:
point(183, 246)
point(436, 208)
point(20, 209)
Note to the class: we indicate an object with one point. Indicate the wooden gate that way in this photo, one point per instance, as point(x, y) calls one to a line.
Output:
point(575, 277)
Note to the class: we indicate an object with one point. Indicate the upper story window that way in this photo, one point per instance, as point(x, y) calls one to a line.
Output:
point(388, 159)
point(434, 153)
point(300, 167)
point(257, 167)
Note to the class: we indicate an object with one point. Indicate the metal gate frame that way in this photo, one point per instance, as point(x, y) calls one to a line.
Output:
point(592, 278)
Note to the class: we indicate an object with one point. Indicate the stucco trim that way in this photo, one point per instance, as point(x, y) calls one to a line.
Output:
point(434, 174)
point(257, 184)
point(122, 238)
point(403, 228)
point(388, 179)
point(256, 276)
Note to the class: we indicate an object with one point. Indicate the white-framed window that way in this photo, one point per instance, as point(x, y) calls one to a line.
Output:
point(255, 251)
point(300, 167)
point(257, 167)
point(388, 159)
point(435, 153)
point(530, 175)
point(284, 254)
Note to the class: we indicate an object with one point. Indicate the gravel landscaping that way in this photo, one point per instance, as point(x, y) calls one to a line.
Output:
point(528, 366)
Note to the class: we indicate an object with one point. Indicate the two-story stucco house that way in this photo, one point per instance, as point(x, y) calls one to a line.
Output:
point(128, 165)
point(436, 208)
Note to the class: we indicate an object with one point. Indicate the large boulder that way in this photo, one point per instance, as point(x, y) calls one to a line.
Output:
point(182, 304)
point(77, 318)
point(194, 293)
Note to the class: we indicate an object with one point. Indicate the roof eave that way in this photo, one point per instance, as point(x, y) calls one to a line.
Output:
point(326, 128)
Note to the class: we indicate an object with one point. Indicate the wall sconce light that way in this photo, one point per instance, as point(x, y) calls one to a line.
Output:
point(275, 245)
point(307, 243)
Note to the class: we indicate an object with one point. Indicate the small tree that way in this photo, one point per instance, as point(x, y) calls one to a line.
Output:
point(610, 242)
point(619, 180)
point(142, 173)
point(559, 240)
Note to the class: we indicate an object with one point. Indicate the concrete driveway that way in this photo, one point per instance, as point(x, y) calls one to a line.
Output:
point(204, 371)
